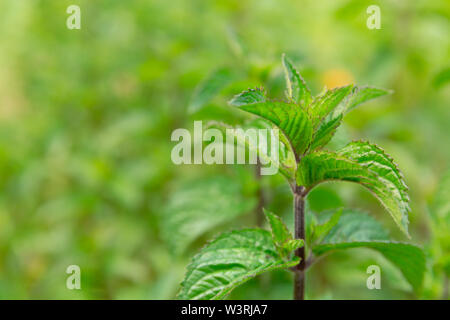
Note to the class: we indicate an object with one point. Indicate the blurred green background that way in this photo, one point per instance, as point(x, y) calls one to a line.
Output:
point(86, 117)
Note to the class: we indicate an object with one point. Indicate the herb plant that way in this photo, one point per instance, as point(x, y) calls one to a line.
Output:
point(306, 124)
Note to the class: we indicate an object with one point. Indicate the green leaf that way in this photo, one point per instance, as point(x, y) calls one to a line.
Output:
point(321, 230)
point(248, 97)
point(236, 136)
point(258, 95)
point(325, 132)
point(310, 225)
point(210, 87)
point(325, 103)
point(292, 245)
point(199, 205)
point(297, 89)
point(334, 104)
point(287, 155)
point(391, 188)
point(281, 236)
point(289, 118)
point(356, 230)
point(354, 225)
point(280, 232)
point(230, 260)
point(365, 164)
point(322, 166)
point(410, 259)
point(364, 94)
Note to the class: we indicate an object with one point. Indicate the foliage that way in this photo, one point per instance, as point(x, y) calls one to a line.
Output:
point(229, 261)
point(189, 214)
point(218, 268)
point(363, 163)
point(358, 162)
point(86, 117)
point(355, 230)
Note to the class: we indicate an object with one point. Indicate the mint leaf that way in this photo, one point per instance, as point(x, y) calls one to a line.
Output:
point(410, 259)
point(365, 164)
point(236, 137)
point(373, 170)
point(325, 131)
point(322, 166)
point(330, 107)
point(292, 245)
point(321, 230)
point(281, 236)
point(289, 118)
point(248, 97)
point(356, 230)
point(280, 232)
point(297, 90)
point(325, 103)
point(354, 225)
point(391, 188)
point(230, 260)
point(364, 94)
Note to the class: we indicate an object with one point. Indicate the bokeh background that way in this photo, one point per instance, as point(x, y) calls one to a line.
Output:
point(86, 117)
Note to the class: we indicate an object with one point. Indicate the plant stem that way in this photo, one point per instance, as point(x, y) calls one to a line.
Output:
point(299, 212)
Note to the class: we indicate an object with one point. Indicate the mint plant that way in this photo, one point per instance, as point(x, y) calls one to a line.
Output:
point(306, 124)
